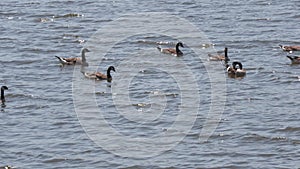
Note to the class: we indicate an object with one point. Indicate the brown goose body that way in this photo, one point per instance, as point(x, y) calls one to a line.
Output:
point(74, 60)
point(173, 51)
point(290, 48)
point(219, 57)
point(68, 61)
point(294, 59)
point(99, 75)
point(234, 71)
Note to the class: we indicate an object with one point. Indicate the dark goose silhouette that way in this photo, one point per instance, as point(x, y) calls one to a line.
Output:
point(173, 51)
point(99, 75)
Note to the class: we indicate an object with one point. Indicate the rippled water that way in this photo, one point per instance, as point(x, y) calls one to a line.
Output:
point(259, 127)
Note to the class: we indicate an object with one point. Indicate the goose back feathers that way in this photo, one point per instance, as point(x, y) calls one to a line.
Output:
point(75, 60)
point(99, 75)
point(290, 48)
point(219, 57)
point(173, 51)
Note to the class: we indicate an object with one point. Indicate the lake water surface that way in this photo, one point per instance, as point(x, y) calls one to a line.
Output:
point(41, 127)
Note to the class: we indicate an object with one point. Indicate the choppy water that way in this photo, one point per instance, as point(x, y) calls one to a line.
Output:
point(259, 127)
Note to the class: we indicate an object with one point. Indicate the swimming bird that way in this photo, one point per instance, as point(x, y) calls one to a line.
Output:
point(99, 75)
point(219, 57)
point(6, 167)
point(173, 51)
point(234, 71)
point(75, 60)
point(2, 94)
point(290, 49)
point(294, 59)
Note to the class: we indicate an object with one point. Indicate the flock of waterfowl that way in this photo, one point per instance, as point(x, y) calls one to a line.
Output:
point(83, 62)
point(235, 70)
point(101, 76)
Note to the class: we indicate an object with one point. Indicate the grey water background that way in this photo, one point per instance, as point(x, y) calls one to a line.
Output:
point(259, 127)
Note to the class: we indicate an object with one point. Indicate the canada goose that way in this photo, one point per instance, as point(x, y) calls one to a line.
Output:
point(100, 76)
point(234, 71)
point(173, 51)
point(219, 57)
point(290, 49)
point(2, 94)
point(294, 59)
point(6, 167)
point(75, 60)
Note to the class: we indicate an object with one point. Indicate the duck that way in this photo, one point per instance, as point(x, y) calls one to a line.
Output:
point(173, 51)
point(2, 94)
point(294, 59)
point(75, 60)
point(234, 71)
point(99, 75)
point(290, 49)
point(219, 57)
point(6, 167)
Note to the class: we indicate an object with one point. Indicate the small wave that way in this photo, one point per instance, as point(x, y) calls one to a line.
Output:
point(257, 137)
point(71, 35)
point(157, 43)
point(69, 15)
point(76, 37)
point(256, 19)
point(279, 138)
point(295, 142)
point(159, 93)
point(146, 105)
point(141, 167)
point(44, 20)
point(30, 107)
point(55, 160)
point(290, 129)
point(18, 95)
point(103, 93)
point(32, 3)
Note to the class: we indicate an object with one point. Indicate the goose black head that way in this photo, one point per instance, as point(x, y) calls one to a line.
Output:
point(111, 68)
point(84, 50)
point(237, 63)
point(180, 44)
point(4, 88)
point(109, 78)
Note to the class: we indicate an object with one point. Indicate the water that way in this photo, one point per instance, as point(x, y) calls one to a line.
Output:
point(259, 127)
